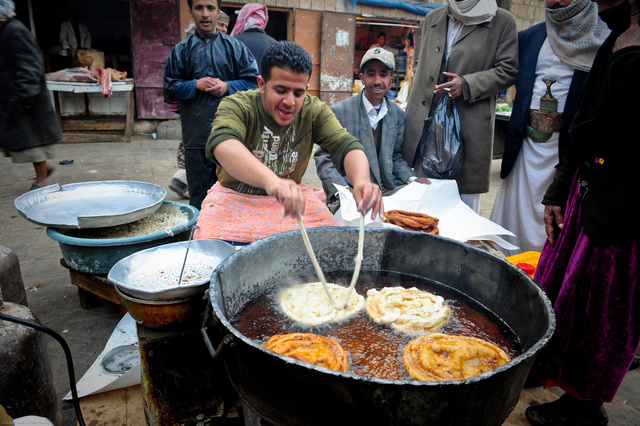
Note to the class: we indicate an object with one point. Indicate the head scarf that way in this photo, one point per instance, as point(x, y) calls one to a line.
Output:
point(7, 10)
point(252, 15)
point(473, 12)
point(576, 32)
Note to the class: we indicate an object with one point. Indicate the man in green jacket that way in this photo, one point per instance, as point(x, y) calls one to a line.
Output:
point(262, 141)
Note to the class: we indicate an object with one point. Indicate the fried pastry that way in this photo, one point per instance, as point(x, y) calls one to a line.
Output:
point(441, 357)
point(412, 221)
point(312, 348)
point(408, 310)
point(308, 304)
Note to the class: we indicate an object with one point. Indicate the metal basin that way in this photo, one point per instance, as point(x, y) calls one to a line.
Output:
point(287, 391)
point(97, 256)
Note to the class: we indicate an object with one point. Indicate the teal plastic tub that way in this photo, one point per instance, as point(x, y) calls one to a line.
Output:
point(97, 256)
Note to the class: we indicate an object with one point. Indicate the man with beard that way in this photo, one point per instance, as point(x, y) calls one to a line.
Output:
point(560, 51)
point(262, 142)
point(378, 123)
point(201, 70)
point(590, 265)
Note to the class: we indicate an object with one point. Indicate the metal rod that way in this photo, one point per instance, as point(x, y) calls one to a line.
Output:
point(184, 262)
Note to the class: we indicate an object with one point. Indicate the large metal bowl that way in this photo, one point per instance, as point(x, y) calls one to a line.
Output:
point(284, 390)
point(90, 204)
point(154, 273)
point(97, 256)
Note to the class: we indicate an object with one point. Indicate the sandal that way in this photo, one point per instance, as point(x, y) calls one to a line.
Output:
point(180, 188)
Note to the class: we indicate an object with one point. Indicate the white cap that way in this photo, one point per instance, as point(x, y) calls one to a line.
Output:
point(382, 55)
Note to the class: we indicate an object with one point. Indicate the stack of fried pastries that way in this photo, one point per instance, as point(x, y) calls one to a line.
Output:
point(312, 348)
point(440, 357)
point(412, 221)
point(408, 310)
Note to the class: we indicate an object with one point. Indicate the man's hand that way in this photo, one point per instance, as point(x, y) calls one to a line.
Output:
point(423, 180)
point(553, 222)
point(453, 87)
point(631, 37)
point(289, 194)
point(213, 86)
point(369, 197)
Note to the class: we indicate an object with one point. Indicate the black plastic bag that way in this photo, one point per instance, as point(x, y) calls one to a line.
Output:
point(441, 148)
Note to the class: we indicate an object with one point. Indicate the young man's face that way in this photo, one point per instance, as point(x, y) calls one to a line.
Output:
point(205, 15)
point(382, 40)
point(283, 94)
point(376, 80)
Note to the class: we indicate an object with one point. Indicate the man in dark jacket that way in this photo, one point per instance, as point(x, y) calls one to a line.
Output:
point(201, 70)
point(28, 124)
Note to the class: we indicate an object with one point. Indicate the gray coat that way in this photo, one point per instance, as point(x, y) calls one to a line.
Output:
point(27, 117)
point(387, 168)
point(486, 57)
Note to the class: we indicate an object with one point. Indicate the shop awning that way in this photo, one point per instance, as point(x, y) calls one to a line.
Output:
point(412, 6)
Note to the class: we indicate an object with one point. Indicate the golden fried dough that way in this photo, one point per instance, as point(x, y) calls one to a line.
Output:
point(312, 348)
point(412, 221)
point(441, 357)
point(308, 303)
point(408, 310)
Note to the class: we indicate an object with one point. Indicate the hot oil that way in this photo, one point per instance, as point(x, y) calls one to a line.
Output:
point(376, 350)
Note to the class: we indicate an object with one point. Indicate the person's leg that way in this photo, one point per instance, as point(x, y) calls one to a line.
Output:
point(41, 173)
point(201, 175)
point(569, 411)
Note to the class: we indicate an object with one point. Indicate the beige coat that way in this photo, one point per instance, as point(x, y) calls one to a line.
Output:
point(486, 57)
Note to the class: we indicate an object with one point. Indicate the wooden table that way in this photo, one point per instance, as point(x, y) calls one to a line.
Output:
point(91, 118)
point(93, 287)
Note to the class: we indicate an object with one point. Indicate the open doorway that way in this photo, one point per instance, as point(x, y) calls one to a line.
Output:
point(278, 25)
point(107, 21)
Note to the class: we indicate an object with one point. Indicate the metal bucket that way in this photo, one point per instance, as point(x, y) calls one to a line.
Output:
point(287, 391)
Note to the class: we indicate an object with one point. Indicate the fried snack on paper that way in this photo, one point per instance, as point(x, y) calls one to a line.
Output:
point(308, 303)
point(412, 221)
point(312, 348)
point(408, 310)
point(442, 357)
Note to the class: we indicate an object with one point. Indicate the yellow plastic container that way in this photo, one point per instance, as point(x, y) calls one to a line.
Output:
point(527, 261)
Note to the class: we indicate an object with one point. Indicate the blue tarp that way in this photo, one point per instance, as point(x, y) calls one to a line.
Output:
point(412, 6)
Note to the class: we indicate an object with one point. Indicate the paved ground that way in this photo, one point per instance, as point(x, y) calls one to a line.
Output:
point(54, 300)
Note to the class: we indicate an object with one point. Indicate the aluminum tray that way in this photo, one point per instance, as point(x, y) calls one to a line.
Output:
point(154, 274)
point(90, 204)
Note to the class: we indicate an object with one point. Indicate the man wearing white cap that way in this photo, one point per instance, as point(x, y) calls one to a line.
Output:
point(378, 123)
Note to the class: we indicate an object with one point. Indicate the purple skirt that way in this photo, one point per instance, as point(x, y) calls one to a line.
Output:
point(595, 292)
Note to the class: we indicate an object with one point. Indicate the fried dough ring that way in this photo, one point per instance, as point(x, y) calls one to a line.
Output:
point(442, 357)
point(309, 304)
point(312, 348)
point(408, 310)
point(412, 221)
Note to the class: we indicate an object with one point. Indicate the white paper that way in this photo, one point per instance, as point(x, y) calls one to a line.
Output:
point(439, 199)
point(97, 379)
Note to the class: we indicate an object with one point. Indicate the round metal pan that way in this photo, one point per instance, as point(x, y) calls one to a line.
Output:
point(90, 204)
point(154, 273)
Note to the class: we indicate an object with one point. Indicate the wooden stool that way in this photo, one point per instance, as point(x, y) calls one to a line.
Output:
point(93, 287)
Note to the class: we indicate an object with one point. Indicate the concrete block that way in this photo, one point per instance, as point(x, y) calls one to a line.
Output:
point(169, 130)
point(11, 284)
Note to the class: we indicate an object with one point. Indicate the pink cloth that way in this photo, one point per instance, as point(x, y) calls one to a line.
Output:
point(252, 15)
point(232, 216)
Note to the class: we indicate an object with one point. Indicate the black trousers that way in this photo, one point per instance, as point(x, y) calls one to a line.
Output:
point(201, 175)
